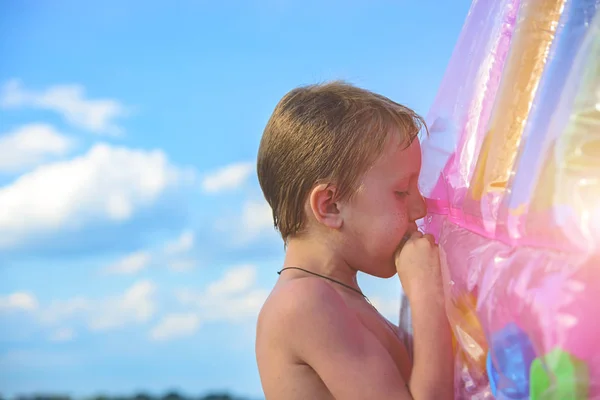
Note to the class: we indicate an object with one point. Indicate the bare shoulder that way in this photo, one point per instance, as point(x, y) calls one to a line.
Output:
point(294, 303)
point(307, 322)
point(294, 314)
point(288, 336)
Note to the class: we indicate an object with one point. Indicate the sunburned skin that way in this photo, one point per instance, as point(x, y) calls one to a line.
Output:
point(317, 339)
point(295, 378)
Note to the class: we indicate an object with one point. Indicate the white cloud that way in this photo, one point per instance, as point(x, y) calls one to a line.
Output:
point(234, 297)
point(182, 244)
point(389, 308)
point(175, 326)
point(236, 308)
point(131, 263)
point(58, 311)
point(62, 335)
point(227, 178)
point(95, 115)
point(234, 281)
point(136, 305)
point(257, 217)
point(181, 265)
point(106, 183)
point(173, 256)
point(253, 222)
point(30, 145)
point(19, 301)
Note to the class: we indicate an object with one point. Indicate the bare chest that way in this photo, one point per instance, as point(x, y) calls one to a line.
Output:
point(388, 335)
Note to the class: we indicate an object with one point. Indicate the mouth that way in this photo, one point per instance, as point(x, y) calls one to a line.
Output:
point(409, 232)
point(411, 229)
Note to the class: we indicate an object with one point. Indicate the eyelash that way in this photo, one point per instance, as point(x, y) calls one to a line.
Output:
point(402, 194)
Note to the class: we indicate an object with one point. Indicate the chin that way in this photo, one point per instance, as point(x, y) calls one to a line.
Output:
point(385, 272)
point(388, 274)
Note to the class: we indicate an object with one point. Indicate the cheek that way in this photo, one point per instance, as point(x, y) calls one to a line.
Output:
point(380, 225)
point(388, 229)
point(398, 225)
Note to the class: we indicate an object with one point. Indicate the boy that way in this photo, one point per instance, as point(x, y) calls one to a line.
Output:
point(339, 167)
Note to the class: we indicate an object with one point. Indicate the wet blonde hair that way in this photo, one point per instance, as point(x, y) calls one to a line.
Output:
point(325, 133)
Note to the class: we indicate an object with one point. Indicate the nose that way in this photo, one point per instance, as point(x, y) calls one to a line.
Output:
point(418, 208)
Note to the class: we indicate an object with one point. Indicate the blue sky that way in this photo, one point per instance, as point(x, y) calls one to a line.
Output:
point(135, 245)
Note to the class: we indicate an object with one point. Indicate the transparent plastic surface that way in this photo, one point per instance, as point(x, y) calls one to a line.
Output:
point(528, 57)
point(511, 176)
point(459, 116)
point(551, 112)
point(514, 307)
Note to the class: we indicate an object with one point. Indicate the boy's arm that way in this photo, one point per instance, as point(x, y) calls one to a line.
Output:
point(351, 362)
point(419, 270)
point(433, 367)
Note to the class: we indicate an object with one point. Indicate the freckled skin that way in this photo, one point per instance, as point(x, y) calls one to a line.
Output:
point(319, 340)
point(385, 208)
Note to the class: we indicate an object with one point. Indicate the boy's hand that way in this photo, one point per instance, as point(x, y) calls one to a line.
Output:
point(418, 267)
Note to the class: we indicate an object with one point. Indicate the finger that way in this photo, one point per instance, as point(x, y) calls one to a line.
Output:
point(416, 235)
point(408, 236)
point(429, 237)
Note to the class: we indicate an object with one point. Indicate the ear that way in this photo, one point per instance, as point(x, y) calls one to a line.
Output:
point(324, 207)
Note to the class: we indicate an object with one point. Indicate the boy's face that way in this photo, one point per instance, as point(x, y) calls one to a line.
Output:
point(384, 209)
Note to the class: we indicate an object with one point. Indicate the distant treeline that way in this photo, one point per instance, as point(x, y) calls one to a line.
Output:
point(142, 396)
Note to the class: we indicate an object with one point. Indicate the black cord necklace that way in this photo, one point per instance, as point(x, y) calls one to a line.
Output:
point(388, 324)
point(328, 278)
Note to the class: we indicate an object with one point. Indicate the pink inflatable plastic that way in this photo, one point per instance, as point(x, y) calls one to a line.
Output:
point(512, 182)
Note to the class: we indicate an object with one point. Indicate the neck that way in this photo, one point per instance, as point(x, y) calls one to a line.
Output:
point(321, 257)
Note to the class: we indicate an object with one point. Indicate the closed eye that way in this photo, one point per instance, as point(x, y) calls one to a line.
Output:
point(402, 194)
